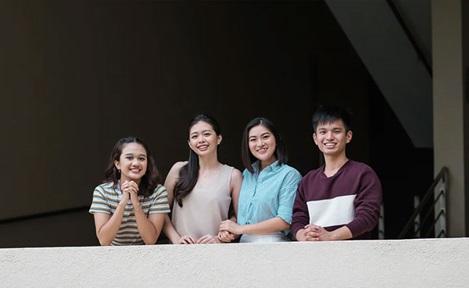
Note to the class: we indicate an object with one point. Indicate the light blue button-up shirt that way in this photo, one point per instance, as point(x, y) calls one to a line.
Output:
point(268, 194)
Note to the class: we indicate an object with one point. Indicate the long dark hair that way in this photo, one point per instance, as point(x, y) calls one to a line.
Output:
point(189, 173)
point(152, 176)
point(280, 151)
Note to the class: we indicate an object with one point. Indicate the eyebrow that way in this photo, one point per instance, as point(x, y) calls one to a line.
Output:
point(203, 131)
point(265, 133)
point(131, 154)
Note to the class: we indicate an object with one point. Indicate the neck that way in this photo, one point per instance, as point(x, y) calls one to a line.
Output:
point(206, 164)
point(266, 163)
point(333, 164)
point(123, 179)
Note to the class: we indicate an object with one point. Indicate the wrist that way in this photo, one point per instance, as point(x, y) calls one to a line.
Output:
point(300, 235)
point(138, 207)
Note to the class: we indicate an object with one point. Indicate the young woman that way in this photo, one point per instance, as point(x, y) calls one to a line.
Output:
point(268, 189)
point(129, 207)
point(201, 190)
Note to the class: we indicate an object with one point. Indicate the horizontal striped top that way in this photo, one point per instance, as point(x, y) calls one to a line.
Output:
point(106, 197)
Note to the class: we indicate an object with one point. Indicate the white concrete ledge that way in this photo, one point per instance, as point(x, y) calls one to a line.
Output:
point(375, 263)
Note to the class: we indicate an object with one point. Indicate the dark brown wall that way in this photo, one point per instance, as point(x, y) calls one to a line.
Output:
point(76, 76)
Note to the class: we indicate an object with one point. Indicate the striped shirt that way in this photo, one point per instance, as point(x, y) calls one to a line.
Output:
point(106, 198)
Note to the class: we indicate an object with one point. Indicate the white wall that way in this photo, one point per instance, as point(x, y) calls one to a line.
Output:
point(448, 108)
point(375, 263)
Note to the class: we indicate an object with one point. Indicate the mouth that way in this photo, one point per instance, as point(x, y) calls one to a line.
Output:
point(202, 147)
point(262, 150)
point(135, 170)
point(330, 145)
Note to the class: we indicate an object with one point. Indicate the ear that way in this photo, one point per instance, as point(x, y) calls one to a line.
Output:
point(117, 164)
point(349, 136)
point(315, 139)
point(219, 138)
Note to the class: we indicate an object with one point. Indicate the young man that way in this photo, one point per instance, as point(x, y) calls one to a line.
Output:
point(341, 199)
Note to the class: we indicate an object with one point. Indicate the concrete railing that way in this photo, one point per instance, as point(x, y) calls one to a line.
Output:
point(375, 263)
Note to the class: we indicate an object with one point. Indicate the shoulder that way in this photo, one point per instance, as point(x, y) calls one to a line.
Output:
point(246, 173)
point(236, 175)
point(174, 171)
point(290, 170)
point(159, 191)
point(360, 167)
point(314, 173)
point(104, 191)
point(178, 165)
point(104, 187)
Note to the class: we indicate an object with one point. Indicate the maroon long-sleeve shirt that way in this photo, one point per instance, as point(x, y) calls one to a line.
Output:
point(351, 197)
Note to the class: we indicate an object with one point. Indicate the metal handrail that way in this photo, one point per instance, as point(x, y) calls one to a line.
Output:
point(442, 175)
point(43, 215)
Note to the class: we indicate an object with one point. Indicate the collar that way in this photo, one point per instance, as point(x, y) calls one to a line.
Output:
point(272, 167)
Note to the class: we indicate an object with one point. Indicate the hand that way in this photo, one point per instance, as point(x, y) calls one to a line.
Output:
point(225, 236)
point(231, 226)
point(186, 239)
point(208, 239)
point(314, 232)
point(131, 188)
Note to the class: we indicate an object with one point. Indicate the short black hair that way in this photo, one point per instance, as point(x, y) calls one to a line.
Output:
point(331, 113)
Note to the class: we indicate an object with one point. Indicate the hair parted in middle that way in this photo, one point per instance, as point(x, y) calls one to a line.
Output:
point(152, 176)
point(189, 173)
point(280, 151)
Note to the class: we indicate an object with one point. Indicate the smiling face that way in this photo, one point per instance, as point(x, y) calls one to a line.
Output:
point(203, 139)
point(262, 145)
point(132, 162)
point(332, 138)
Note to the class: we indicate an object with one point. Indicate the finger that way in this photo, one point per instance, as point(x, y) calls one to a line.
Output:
point(203, 241)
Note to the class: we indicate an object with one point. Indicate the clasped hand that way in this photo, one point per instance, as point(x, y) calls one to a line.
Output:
point(130, 191)
point(314, 232)
point(228, 230)
point(206, 239)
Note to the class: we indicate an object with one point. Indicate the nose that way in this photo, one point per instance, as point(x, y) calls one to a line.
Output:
point(259, 142)
point(135, 162)
point(329, 135)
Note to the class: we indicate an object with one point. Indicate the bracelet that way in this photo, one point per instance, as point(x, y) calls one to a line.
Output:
point(139, 208)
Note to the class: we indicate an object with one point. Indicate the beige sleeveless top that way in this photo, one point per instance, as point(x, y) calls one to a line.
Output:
point(205, 207)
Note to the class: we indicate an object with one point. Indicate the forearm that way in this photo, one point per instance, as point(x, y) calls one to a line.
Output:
point(341, 233)
point(109, 230)
point(272, 225)
point(147, 230)
point(300, 235)
point(170, 231)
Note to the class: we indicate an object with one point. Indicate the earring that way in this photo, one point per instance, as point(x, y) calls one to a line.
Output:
point(118, 171)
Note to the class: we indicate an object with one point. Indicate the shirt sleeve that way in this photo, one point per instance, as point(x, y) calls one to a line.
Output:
point(160, 201)
point(287, 195)
point(300, 210)
point(367, 204)
point(99, 203)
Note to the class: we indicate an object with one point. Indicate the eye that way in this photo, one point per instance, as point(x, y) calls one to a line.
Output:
point(207, 134)
point(252, 139)
point(194, 137)
point(142, 159)
point(129, 157)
